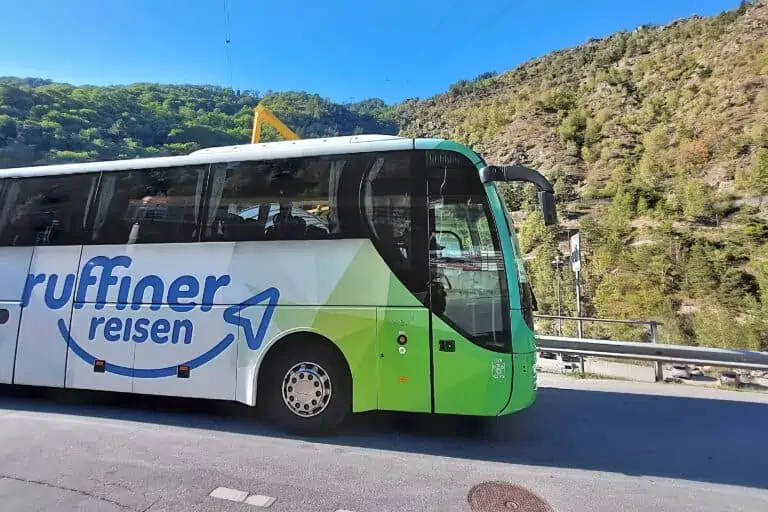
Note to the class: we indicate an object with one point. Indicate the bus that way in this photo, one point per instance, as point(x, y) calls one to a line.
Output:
point(314, 278)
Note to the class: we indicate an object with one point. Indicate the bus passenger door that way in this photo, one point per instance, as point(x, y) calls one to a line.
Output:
point(14, 266)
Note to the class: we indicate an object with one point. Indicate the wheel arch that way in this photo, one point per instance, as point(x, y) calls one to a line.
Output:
point(282, 342)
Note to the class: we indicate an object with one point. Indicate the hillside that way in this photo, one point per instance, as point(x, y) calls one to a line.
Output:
point(656, 140)
point(44, 122)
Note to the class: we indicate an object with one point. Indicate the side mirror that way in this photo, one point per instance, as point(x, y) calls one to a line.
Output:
point(548, 208)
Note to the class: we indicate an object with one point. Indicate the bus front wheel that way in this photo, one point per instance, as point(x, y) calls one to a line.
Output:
point(306, 388)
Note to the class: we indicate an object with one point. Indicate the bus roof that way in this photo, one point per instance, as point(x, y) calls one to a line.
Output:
point(261, 151)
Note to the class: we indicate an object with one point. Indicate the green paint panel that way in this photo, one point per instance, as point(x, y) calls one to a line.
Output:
point(523, 338)
point(524, 384)
point(471, 380)
point(524, 360)
point(380, 284)
point(353, 330)
point(404, 369)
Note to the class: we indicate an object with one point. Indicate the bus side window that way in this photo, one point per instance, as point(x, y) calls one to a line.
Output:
point(45, 210)
point(291, 199)
point(148, 206)
point(392, 212)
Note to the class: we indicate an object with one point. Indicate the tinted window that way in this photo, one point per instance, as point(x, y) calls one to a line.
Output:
point(48, 210)
point(396, 217)
point(148, 206)
point(290, 199)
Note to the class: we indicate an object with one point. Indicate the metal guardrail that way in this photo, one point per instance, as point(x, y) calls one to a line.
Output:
point(653, 328)
point(600, 320)
point(743, 359)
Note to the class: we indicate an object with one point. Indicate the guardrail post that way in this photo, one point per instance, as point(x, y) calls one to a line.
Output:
point(659, 368)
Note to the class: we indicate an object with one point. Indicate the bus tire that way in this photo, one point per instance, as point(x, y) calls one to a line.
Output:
point(306, 387)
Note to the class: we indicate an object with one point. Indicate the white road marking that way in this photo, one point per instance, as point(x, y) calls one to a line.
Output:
point(224, 493)
point(257, 500)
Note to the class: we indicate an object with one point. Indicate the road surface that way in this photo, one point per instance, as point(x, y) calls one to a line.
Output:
point(584, 446)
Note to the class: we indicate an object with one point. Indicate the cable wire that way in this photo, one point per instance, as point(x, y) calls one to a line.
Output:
point(227, 41)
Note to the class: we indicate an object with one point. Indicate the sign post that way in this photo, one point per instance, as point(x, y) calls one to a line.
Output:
point(575, 245)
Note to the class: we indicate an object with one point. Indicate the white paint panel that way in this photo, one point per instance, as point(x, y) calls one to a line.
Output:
point(88, 332)
point(305, 272)
point(264, 151)
point(14, 265)
point(10, 314)
point(41, 352)
point(214, 378)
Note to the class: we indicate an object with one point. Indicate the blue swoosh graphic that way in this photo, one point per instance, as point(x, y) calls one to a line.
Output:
point(230, 315)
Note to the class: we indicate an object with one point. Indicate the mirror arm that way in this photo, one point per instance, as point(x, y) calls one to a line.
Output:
point(507, 173)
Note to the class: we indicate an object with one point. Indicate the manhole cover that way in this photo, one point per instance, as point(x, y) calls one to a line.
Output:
point(502, 497)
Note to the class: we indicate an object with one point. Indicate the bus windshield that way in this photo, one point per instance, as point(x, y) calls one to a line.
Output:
point(521, 274)
point(527, 298)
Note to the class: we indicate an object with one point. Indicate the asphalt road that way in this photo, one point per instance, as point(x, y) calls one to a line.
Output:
point(584, 446)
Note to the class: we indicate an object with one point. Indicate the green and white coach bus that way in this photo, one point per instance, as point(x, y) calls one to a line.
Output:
point(318, 277)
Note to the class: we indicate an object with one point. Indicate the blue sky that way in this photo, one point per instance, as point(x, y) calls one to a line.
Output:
point(345, 50)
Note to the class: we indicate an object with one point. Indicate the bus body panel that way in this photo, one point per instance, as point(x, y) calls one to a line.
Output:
point(41, 351)
point(468, 379)
point(188, 344)
point(14, 266)
point(197, 319)
point(523, 338)
point(242, 152)
point(524, 385)
point(81, 374)
point(365, 283)
point(353, 331)
point(403, 362)
point(10, 316)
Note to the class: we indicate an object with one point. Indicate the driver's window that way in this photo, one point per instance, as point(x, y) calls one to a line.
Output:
point(467, 270)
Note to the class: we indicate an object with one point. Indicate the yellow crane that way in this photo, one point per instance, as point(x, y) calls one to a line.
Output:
point(261, 114)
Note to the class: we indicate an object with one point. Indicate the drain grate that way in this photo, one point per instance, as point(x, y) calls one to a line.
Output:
point(503, 497)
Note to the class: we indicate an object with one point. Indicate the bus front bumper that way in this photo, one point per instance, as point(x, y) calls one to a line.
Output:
point(524, 385)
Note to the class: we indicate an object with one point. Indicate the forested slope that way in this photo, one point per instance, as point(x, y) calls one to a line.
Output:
point(657, 140)
point(44, 122)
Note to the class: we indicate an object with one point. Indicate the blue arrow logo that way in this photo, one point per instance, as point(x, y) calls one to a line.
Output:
point(232, 315)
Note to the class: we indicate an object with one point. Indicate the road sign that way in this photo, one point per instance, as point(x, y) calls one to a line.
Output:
point(575, 253)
